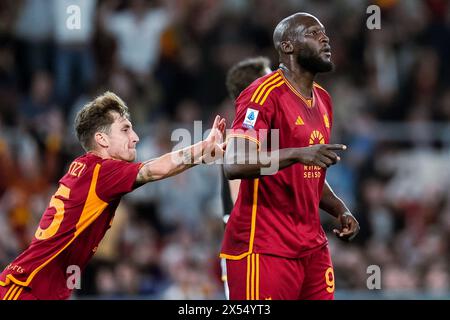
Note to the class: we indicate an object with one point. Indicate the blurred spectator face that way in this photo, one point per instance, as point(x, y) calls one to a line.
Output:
point(373, 192)
point(138, 7)
point(55, 121)
point(6, 59)
point(380, 253)
point(122, 140)
point(445, 218)
point(437, 279)
point(42, 87)
point(427, 72)
point(396, 278)
point(105, 281)
point(121, 83)
point(188, 111)
point(445, 105)
point(128, 278)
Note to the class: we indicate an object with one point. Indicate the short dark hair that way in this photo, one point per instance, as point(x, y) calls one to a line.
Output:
point(96, 116)
point(242, 74)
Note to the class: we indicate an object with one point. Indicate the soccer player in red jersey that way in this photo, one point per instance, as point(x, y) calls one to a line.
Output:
point(274, 243)
point(82, 209)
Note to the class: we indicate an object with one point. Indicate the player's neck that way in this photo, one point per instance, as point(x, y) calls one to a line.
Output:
point(301, 79)
point(100, 154)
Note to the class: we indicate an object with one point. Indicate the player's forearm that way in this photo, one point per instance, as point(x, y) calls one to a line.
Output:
point(331, 203)
point(170, 164)
point(246, 166)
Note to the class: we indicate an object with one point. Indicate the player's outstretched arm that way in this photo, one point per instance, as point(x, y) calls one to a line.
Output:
point(332, 204)
point(244, 161)
point(175, 162)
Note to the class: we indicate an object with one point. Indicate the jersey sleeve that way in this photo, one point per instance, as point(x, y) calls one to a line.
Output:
point(252, 121)
point(116, 178)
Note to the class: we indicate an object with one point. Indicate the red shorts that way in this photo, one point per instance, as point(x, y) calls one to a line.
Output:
point(15, 292)
point(265, 277)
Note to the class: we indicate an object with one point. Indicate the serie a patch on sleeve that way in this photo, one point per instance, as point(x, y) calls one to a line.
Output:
point(250, 118)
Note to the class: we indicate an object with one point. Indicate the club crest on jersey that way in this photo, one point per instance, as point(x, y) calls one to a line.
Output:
point(250, 118)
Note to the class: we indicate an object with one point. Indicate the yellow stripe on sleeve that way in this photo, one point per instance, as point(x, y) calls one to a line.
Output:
point(270, 90)
point(18, 294)
point(262, 85)
point(241, 135)
point(13, 292)
point(276, 80)
point(8, 292)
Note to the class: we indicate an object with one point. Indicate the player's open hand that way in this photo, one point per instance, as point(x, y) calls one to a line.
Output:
point(321, 155)
point(349, 227)
point(214, 147)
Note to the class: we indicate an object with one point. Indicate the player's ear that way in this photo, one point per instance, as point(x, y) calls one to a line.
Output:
point(101, 139)
point(286, 47)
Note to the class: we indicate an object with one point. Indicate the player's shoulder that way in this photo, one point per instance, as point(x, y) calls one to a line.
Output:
point(90, 159)
point(260, 91)
point(259, 81)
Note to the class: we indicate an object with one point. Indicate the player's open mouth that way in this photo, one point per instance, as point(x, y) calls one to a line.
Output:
point(326, 52)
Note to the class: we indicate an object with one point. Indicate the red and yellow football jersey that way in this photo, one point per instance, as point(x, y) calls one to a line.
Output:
point(72, 226)
point(279, 214)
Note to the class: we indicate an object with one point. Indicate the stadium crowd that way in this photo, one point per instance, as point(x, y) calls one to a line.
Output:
point(168, 61)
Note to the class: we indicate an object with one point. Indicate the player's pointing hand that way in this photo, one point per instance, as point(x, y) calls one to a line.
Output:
point(321, 155)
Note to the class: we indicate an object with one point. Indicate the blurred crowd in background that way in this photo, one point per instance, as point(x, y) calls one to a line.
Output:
point(168, 61)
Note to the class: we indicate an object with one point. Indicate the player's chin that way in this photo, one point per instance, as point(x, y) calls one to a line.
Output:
point(326, 60)
point(131, 155)
point(326, 64)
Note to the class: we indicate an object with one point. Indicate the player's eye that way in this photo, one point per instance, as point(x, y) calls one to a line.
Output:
point(314, 33)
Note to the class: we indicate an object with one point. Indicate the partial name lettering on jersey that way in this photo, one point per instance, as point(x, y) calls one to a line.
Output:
point(76, 168)
point(250, 118)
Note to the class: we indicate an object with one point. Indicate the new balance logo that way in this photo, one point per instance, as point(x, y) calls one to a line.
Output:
point(299, 121)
